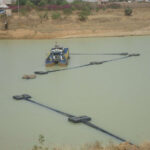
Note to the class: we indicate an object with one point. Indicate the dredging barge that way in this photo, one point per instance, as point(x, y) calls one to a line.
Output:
point(58, 55)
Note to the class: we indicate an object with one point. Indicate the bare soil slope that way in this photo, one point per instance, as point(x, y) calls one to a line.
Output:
point(109, 22)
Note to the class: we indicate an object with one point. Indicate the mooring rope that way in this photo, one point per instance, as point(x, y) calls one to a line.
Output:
point(27, 98)
point(85, 65)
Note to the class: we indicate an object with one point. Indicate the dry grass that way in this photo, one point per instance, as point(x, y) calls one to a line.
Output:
point(111, 22)
point(97, 146)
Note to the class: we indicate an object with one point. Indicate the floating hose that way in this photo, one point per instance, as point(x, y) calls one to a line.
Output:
point(105, 132)
point(83, 119)
point(98, 53)
point(85, 65)
point(46, 72)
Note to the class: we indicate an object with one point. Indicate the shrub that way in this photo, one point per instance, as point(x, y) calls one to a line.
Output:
point(86, 11)
point(45, 15)
point(35, 2)
point(42, 16)
point(97, 9)
point(114, 6)
point(81, 5)
point(67, 11)
point(83, 16)
point(104, 8)
point(42, 3)
point(23, 11)
point(76, 2)
point(21, 2)
point(41, 139)
point(56, 15)
point(29, 4)
point(61, 2)
point(128, 11)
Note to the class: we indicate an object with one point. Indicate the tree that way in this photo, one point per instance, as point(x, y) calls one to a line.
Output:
point(29, 4)
point(51, 1)
point(35, 2)
point(42, 2)
point(61, 2)
point(21, 2)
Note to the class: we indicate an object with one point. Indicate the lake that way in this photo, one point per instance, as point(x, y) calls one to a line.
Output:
point(116, 94)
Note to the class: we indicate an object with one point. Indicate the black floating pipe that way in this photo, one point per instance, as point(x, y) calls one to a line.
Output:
point(99, 54)
point(46, 72)
point(104, 131)
point(82, 119)
point(85, 65)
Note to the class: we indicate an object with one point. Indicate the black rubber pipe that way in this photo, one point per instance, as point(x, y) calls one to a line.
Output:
point(99, 54)
point(85, 65)
point(27, 98)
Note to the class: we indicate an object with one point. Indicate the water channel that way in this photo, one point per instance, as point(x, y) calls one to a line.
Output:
point(116, 95)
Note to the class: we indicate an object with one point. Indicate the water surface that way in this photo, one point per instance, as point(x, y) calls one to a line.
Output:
point(116, 95)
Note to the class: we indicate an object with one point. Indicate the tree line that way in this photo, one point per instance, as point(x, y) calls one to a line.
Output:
point(42, 2)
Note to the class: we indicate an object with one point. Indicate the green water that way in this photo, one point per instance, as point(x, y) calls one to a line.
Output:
point(116, 95)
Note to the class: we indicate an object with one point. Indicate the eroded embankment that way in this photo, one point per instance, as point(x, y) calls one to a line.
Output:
point(111, 22)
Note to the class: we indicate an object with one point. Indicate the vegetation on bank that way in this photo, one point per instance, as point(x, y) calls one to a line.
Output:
point(60, 9)
point(67, 21)
point(83, 8)
point(95, 146)
point(109, 22)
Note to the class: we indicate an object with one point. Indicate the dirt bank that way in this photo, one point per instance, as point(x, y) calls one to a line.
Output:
point(109, 22)
point(97, 146)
